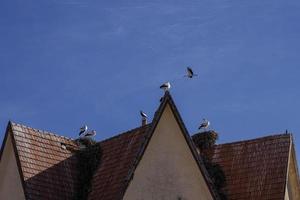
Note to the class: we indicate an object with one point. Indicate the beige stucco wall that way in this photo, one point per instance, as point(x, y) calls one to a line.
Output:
point(167, 170)
point(10, 182)
point(292, 188)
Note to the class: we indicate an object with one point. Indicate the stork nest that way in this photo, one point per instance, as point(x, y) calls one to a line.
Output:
point(86, 141)
point(88, 162)
point(205, 141)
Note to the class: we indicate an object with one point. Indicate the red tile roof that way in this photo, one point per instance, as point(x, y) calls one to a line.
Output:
point(254, 169)
point(121, 155)
point(118, 154)
point(48, 170)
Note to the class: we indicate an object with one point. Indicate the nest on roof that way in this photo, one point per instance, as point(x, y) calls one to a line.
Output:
point(88, 161)
point(205, 141)
point(85, 142)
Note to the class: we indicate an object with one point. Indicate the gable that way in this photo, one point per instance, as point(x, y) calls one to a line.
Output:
point(167, 169)
point(10, 182)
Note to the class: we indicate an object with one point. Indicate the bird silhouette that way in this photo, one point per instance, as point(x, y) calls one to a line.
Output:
point(190, 73)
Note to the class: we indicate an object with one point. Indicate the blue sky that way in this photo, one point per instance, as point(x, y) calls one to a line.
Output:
point(64, 63)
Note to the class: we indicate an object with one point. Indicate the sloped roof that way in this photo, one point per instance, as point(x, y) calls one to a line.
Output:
point(50, 171)
point(47, 169)
point(118, 154)
point(254, 169)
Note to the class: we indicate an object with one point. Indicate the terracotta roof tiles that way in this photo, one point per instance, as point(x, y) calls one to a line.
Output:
point(118, 154)
point(254, 169)
point(48, 169)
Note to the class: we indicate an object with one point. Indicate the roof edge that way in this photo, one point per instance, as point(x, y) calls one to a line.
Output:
point(40, 131)
point(287, 167)
point(192, 147)
point(254, 139)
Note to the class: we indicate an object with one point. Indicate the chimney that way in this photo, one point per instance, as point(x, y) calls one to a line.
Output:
point(144, 121)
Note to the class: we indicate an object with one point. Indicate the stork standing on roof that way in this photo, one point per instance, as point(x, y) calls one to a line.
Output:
point(144, 118)
point(166, 86)
point(205, 124)
point(190, 73)
point(143, 115)
point(83, 130)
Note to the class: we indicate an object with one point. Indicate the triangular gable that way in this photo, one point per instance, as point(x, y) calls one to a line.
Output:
point(11, 182)
point(168, 103)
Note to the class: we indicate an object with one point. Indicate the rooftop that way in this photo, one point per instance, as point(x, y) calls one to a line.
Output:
point(253, 168)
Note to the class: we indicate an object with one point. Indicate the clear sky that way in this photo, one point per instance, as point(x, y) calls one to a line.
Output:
point(64, 63)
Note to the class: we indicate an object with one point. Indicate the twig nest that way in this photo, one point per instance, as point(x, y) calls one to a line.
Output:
point(206, 139)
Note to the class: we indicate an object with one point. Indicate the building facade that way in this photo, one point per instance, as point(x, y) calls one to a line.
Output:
point(159, 160)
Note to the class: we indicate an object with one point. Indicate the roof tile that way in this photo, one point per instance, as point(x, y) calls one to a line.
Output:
point(118, 155)
point(48, 170)
point(254, 169)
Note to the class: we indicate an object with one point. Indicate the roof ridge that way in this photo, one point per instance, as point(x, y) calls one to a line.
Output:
point(255, 139)
point(40, 131)
point(126, 132)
